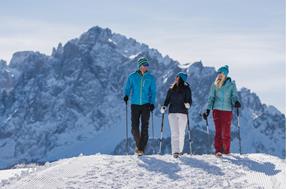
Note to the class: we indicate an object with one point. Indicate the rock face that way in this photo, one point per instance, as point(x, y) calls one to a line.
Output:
point(69, 103)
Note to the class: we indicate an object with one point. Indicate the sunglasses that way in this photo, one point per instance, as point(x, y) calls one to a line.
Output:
point(146, 65)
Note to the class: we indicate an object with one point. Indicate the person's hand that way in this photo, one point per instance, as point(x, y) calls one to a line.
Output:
point(162, 109)
point(126, 98)
point(187, 105)
point(151, 107)
point(237, 104)
point(205, 114)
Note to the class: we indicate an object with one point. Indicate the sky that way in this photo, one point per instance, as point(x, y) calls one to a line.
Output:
point(247, 35)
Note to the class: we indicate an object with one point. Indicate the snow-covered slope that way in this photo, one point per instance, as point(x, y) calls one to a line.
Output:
point(59, 106)
point(154, 171)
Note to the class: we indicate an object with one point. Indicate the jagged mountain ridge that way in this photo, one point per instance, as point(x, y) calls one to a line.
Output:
point(71, 102)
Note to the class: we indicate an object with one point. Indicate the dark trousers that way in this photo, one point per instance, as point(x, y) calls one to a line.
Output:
point(222, 121)
point(140, 112)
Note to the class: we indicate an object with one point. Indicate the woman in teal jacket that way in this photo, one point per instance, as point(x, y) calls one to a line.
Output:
point(222, 97)
point(141, 86)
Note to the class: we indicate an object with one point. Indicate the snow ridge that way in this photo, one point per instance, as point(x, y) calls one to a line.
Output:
point(155, 171)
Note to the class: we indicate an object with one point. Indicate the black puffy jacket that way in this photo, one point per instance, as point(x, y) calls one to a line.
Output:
point(176, 97)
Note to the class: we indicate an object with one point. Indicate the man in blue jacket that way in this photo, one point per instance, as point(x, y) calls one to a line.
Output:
point(141, 87)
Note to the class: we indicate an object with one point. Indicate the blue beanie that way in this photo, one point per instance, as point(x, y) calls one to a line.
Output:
point(224, 70)
point(142, 61)
point(182, 75)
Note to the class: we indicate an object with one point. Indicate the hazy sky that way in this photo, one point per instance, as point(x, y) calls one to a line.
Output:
point(248, 35)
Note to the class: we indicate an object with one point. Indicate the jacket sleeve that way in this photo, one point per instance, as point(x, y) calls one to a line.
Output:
point(167, 98)
point(234, 94)
point(153, 91)
point(211, 98)
point(188, 96)
point(128, 86)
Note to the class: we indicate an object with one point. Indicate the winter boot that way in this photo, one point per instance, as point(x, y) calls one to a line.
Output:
point(176, 155)
point(140, 153)
point(218, 154)
point(137, 151)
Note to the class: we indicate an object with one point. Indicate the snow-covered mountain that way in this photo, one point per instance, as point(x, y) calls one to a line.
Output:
point(152, 171)
point(69, 103)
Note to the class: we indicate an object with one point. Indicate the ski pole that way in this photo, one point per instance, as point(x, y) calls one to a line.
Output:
point(152, 125)
point(127, 128)
point(161, 133)
point(206, 121)
point(238, 126)
point(207, 129)
point(189, 134)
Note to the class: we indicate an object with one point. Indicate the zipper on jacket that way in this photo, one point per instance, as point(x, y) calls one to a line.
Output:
point(223, 98)
point(141, 85)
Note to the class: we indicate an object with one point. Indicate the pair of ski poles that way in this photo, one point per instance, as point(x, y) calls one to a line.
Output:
point(238, 127)
point(161, 134)
point(161, 131)
point(127, 133)
point(189, 133)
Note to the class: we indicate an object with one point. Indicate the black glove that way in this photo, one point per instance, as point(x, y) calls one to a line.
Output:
point(151, 107)
point(237, 104)
point(205, 114)
point(126, 98)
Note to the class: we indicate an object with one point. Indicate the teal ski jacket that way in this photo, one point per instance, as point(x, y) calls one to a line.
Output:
point(141, 88)
point(223, 98)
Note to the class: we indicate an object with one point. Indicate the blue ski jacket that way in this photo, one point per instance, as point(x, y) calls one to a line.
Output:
point(141, 88)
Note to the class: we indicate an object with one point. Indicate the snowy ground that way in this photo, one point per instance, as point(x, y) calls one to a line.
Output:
point(155, 171)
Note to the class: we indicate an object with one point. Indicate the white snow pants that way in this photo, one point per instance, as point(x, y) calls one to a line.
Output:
point(177, 123)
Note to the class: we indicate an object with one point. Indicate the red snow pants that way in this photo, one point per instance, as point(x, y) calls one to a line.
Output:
point(222, 122)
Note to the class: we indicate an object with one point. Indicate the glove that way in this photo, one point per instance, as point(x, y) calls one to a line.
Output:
point(187, 105)
point(126, 98)
point(151, 107)
point(205, 114)
point(237, 104)
point(162, 109)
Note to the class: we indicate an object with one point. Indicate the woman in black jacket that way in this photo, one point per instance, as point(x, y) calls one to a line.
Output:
point(179, 100)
